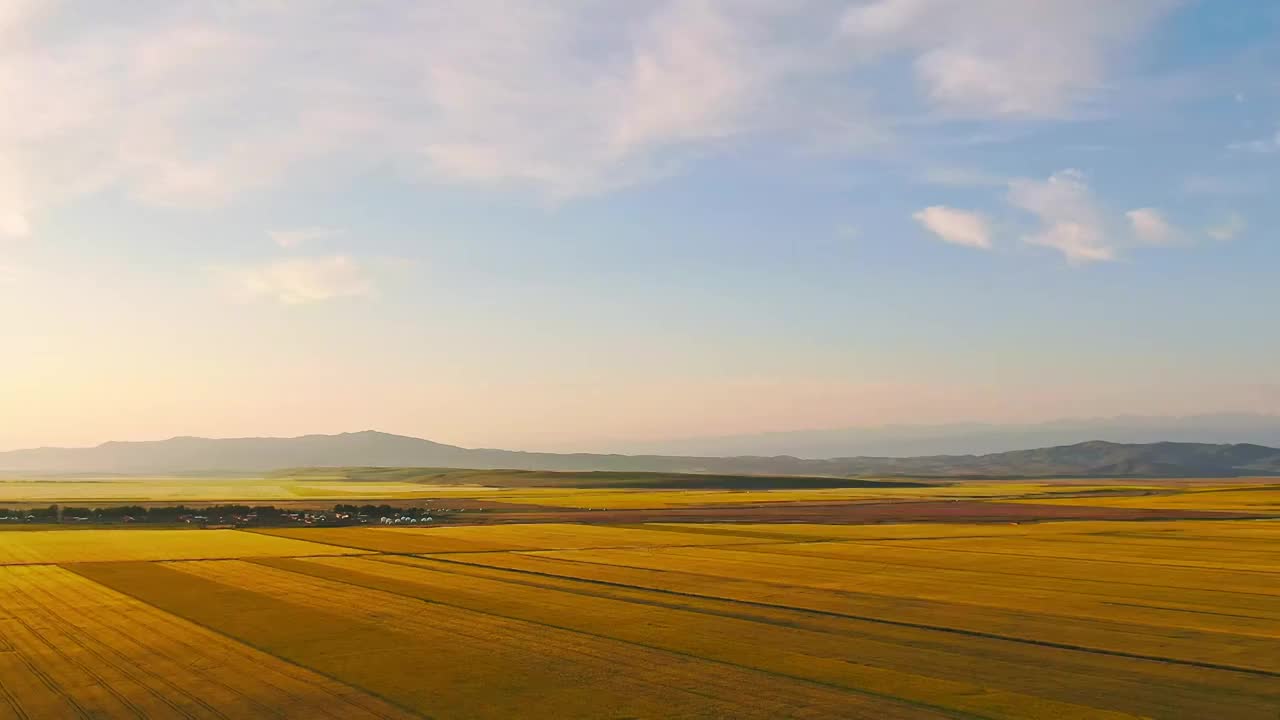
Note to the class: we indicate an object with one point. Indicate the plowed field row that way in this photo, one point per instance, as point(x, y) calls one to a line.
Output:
point(979, 676)
point(41, 547)
point(1004, 621)
point(448, 661)
point(78, 649)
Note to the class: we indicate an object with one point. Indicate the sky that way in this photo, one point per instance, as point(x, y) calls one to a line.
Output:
point(581, 224)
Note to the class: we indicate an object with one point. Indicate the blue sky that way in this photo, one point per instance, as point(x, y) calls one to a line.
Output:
point(584, 224)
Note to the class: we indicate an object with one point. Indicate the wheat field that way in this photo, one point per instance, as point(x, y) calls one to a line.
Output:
point(1092, 619)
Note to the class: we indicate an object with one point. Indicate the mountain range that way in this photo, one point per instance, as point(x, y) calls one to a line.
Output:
point(377, 449)
point(974, 438)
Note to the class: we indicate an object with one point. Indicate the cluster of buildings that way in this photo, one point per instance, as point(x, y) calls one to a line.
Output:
point(405, 520)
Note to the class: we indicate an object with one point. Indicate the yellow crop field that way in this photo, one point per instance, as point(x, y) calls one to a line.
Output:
point(1079, 619)
point(1249, 498)
point(338, 488)
point(446, 661)
point(984, 676)
point(70, 546)
point(70, 647)
point(170, 490)
point(637, 499)
point(627, 499)
point(491, 538)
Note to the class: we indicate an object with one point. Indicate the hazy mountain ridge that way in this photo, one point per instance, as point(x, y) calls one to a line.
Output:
point(376, 449)
point(976, 438)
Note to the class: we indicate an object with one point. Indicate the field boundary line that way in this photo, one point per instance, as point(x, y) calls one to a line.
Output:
point(340, 681)
point(44, 677)
point(851, 593)
point(1131, 563)
point(919, 626)
point(86, 647)
point(924, 566)
point(1084, 596)
point(854, 691)
point(12, 701)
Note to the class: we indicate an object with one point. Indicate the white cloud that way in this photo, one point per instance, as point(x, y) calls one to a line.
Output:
point(1264, 145)
point(1227, 229)
point(1071, 220)
point(959, 227)
point(1003, 57)
point(1150, 226)
point(297, 237)
point(1075, 223)
point(299, 281)
point(191, 105)
point(192, 108)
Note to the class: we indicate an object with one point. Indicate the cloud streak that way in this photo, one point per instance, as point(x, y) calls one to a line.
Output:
point(298, 281)
point(297, 237)
point(984, 58)
point(1150, 227)
point(958, 227)
point(1228, 229)
point(567, 99)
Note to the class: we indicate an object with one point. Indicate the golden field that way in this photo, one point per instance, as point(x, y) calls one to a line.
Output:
point(70, 647)
point(68, 546)
point(1073, 619)
point(321, 487)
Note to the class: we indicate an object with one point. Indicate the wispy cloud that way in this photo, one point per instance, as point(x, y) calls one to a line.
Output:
point(1071, 220)
point(1263, 145)
point(298, 281)
point(297, 237)
point(568, 98)
point(959, 227)
point(1150, 227)
point(993, 57)
point(1232, 226)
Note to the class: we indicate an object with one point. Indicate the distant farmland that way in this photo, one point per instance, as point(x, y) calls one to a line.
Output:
point(1010, 619)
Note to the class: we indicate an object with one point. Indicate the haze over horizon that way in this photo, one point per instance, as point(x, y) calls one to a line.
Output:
point(594, 225)
point(903, 440)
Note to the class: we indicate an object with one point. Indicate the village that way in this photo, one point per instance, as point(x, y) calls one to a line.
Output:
point(228, 516)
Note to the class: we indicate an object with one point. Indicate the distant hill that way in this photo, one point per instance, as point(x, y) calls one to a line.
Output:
point(976, 438)
point(582, 479)
point(376, 449)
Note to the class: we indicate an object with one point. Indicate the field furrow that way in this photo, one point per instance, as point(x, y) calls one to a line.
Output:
point(799, 588)
point(979, 676)
point(452, 662)
point(97, 653)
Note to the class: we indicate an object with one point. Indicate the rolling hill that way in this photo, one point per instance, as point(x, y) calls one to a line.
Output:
point(377, 449)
